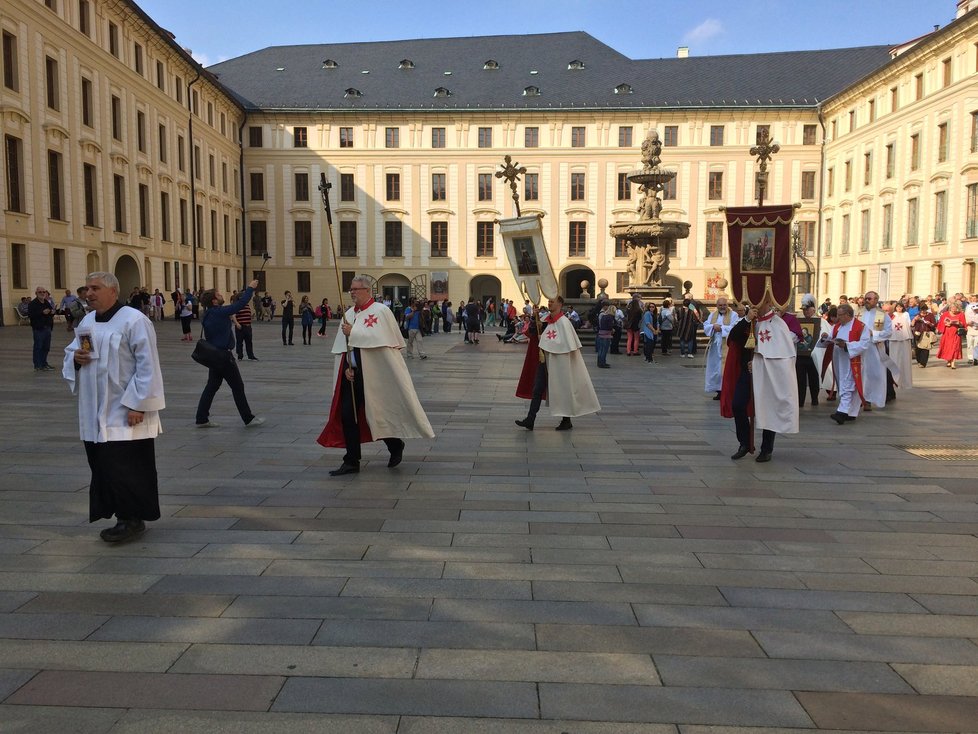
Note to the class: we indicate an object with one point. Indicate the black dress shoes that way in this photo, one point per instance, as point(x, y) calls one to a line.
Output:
point(124, 530)
point(525, 423)
point(396, 455)
point(838, 417)
point(741, 453)
point(763, 457)
point(345, 469)
point(564, 425)
point(717, 396)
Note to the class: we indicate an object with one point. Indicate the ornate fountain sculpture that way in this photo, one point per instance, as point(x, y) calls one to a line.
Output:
point(649, 239)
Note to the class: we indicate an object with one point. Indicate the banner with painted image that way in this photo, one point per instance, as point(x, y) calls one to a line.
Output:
point(759, 239)
point(527, 254)
point(439, 285)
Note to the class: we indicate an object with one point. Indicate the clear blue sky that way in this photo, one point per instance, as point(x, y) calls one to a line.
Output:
point(220, 29)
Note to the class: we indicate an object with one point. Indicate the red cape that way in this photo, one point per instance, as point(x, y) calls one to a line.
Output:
point(524, 388)
point(731, 372)
point(332, 435)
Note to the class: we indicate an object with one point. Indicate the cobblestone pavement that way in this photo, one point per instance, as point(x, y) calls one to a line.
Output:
point(625, 577)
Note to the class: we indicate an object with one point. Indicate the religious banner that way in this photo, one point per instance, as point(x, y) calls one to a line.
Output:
point(527, 253)
point(759, 239)
point(439, 285)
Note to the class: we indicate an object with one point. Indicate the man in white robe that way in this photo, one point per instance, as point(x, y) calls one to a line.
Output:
point(850, 341)
point(875, 360)
point(562, 376)
point(374, 397)
point(114, 369)
point(901, 347)
point(774, 380)
point(717, 328)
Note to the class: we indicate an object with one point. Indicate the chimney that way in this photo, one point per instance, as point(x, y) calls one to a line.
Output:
point(682, 52)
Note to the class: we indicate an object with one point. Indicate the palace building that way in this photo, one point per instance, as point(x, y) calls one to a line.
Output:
point(121, 153)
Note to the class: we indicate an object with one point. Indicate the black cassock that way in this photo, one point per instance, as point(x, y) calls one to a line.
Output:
point(124, 481)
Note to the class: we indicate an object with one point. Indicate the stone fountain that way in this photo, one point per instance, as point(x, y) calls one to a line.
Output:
point(649, 239)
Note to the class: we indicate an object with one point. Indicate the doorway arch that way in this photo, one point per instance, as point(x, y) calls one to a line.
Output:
point(570, 281)
point(127, 271)
point(395, 286)
point(481, 287)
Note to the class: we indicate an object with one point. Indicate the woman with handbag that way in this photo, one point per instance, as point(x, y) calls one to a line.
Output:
point(952, 328)
point(924, 326)
point(307, 316)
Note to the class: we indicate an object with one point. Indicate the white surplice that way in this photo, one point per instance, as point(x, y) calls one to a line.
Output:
point(878, 323)
point(125, 376)
point(900, 350)
point(849, 400)
point(717, 328)
point(774, 379)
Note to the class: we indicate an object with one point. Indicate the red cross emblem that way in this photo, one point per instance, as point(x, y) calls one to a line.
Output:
point(551, 334)
point(370, 321)
point(764, 336)
point(898, 327)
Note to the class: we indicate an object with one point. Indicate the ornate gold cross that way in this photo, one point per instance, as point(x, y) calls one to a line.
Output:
point(510, 172)
point(764, 149)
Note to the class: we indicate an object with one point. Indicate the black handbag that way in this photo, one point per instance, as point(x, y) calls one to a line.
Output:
point(207, 354)
point(962, 332)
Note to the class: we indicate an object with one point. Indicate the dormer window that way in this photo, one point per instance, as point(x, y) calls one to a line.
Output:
point(576, 64)
point(330, 64)
point(623, 89)
point(406, 64)
point(352, 93)
point(491, 64)
point(531, 91)
point(443, 92)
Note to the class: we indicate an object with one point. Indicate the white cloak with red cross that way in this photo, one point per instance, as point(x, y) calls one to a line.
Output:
point(773, 373)
point(569, 389)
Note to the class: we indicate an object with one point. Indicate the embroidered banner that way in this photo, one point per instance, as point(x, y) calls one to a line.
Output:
point(759, 239)
point(527, 253)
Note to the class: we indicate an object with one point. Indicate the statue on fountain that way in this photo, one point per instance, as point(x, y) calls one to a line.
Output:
point(651, 150)
point(655, 259)
point(649, 207)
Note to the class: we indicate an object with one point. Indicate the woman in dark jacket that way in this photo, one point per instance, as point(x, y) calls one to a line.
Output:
point(633, 326)
point(924, 327)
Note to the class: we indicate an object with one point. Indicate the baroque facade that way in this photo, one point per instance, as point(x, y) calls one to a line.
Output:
point(122, 153)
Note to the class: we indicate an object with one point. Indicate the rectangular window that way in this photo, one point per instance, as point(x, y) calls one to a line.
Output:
point(871, 109)
point(946, 72)
point(195, 102)
point(393, 188)
point(531, 137)
point(714, 239)
point(437, 137)
point(303, 238)
point(886, 241)
point(348, 238)
point(577, 187)
point(178, 88)
point(183, 222)
point(392, 137)
point(87, 109)
point(259, 237)
point(864, 230)
point(485, 187)
point(913, 217)
point(116, 118)
point(302, 187)
point(392, 239)
point(715, 186)
point(830, 183)
point(257, 186)
point(196, 162)
point(577, 137)
point(867, 168)
point(942, 142)
point(91, 201)
point(835, 129)
point(670, 138)
point(621, 247)
point(85, 17)
point(10, 73)
point(806, 237)
point(199, 226)
point(624, 187)
point(55, 185)
point(52, 83)
point(438, 192)
point(160, 76)
point(162, 143)
point(346, 137)
point(894, 99)
point(255, 137)
point(113, 39)
point(18, 263)
point(624, 137)
point(225, 230)
point(224, 176)
point(485, 137)
point(974, 132)
point(809, 135)
point(439, 239)
point(14, 155)
point(300, 137)
point(143, 210)
point(845, 235)
point(211, 170)
point(808, 184)
point(484, 239)
point(577, 240)
point(210, 114)
point(531, 187)
point(137, 58)
point(59, 268)
point(940, 216)
point(669, 190)
point(716, 134)
point(347, 187)
point(763, 133)
point(181, 154)
point(971, 223)
point(848, 181)
point(915, 151)
point(119, 200)
point(164, 216)
point(141, 131)
point(918, 86)
point(890, 160)
point(827, 249)
point(303, 281)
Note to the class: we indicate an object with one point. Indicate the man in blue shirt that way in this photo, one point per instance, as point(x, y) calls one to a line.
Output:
point(412, 321)
point(218, 330)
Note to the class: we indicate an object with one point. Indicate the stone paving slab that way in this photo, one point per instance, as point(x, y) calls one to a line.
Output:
point(893, 712)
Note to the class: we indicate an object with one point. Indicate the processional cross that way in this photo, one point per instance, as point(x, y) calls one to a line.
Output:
point(509, 173)
point(764, 149)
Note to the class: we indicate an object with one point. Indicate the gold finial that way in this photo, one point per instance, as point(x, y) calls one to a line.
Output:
point(764, 149)
point(509, 173)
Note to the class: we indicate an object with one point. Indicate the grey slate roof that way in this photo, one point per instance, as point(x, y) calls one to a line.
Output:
point(293, 77)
